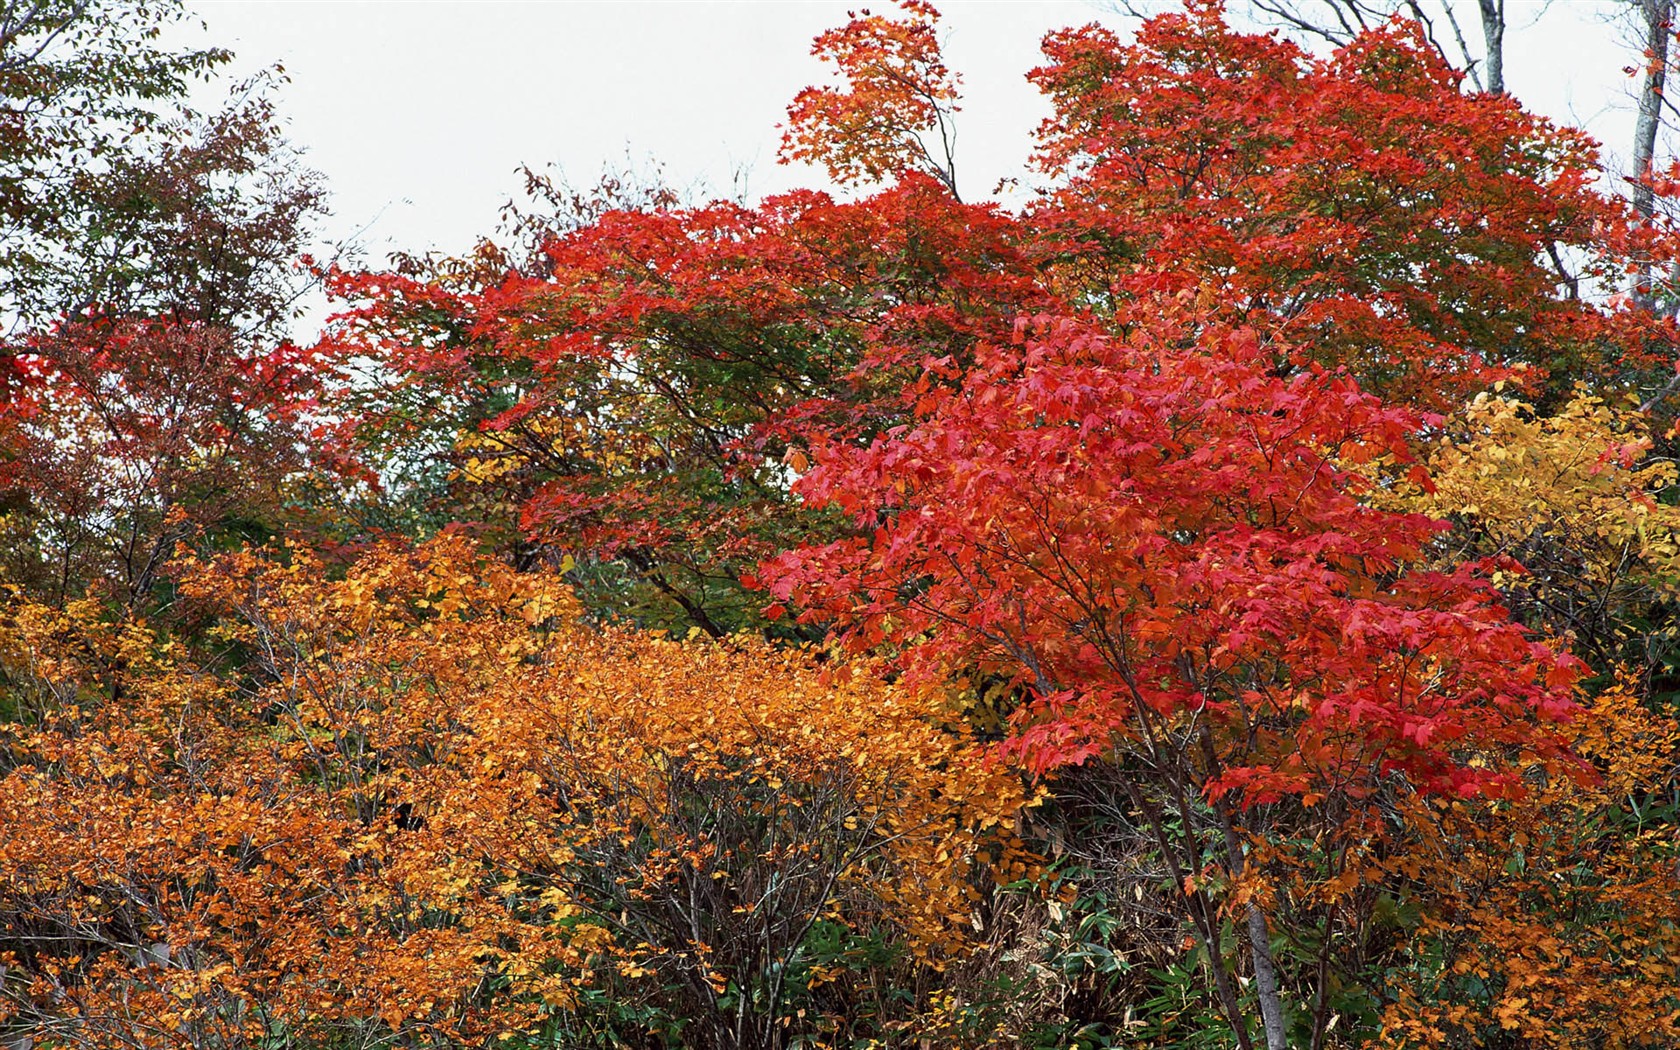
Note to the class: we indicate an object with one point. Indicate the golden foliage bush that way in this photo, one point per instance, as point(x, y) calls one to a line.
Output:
point(1574, 497)
point(1554, 918)
point(421, 799)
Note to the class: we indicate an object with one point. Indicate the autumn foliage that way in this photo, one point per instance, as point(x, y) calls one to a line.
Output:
point(1423, 239)
point(893, 110)
point(1223, 598)
point(439, 807)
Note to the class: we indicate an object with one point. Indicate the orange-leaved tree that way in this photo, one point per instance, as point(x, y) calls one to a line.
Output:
point(1549, 919)
point(1553, 920)
point(894, 109)
point(418, 800)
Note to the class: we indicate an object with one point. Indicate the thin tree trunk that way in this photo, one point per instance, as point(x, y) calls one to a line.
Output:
point(1202, 912)
point(1266, 987)
point(1493, 33)
point(1658, 17)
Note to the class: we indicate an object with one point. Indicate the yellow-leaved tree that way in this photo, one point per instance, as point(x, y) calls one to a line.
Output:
point(1577, 499)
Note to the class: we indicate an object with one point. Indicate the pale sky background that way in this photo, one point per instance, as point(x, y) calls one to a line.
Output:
point(418, 113)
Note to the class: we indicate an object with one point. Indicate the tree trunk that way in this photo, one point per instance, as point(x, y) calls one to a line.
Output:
point(1203, 914)
point(1657, 17)
point(1493, 33)
point(1266, 988)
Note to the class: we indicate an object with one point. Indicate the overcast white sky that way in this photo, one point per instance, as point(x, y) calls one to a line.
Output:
point(418, 113)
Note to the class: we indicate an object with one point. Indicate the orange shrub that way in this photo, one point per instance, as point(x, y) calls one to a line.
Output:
point(424, 801)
